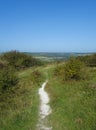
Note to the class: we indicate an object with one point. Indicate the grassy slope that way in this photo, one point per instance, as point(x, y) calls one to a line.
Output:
point(21, 111)
point(73, 103)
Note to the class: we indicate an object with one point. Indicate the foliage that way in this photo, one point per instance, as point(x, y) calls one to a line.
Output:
point(19, 106)
point(1, 65)
point(18, 95)
point(72, 69)
point(20, 60)
point(89, 60)
point(72, 102)
point(59, 70)
point(8, 78)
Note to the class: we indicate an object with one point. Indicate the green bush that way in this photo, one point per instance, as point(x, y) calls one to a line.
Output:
point(1, 65)
point(8, 78)
point(59, 70)
point(73, 69)
point(89, 60)
point(20, 60)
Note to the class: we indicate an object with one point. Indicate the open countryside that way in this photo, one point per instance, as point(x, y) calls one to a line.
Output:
point(47, 64)
point(71, 87)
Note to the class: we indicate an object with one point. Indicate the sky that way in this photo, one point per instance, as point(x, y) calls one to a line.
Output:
point(48, 25)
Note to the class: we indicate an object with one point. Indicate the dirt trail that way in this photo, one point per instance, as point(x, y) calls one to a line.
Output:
point(44, 109)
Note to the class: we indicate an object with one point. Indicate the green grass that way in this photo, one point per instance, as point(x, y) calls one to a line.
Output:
point(19, 109)
point(73, 103)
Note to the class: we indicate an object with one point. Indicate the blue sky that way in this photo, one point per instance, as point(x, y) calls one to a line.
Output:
point(48, 25)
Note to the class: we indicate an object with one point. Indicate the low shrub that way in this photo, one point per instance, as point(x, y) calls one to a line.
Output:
point(73, 69)
point(8, 78)
point(20, 60)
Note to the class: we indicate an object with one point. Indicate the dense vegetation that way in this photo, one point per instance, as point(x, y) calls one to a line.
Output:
point(19, 60)
point(8, 78)
point(89, 60)
point(71, 86)
point(73, 103)
point(19, 104)
point(18, 99)
point(73, 69)
point(10, 63)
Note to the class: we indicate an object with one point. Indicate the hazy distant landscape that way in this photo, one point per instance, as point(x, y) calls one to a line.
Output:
point(49, 56)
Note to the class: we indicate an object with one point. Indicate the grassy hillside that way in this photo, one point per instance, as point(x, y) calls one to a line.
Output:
point(19, 109)
point(73, 103)
point(19, 83)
